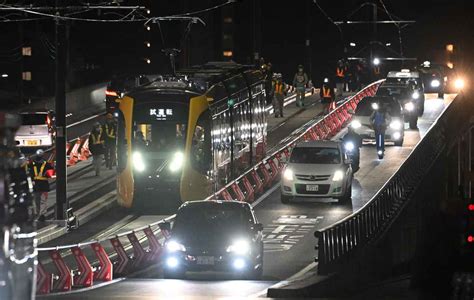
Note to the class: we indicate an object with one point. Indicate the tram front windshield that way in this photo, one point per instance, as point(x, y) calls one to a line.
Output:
point(160, 127)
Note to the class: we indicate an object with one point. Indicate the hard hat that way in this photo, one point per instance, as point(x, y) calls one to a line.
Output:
point(326, 80)
point(426, 63)
point(39, 152)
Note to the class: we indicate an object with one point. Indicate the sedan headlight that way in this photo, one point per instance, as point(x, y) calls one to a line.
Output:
point(396, 125)
point(356, 124)
point(138, 162)
point(240, 247)
point(338, 175)
point(415, 95)
point(288, 174)
point(459, 84)
point(174, 246)
point(435, 83)
point(176, 162)
point(409, 106)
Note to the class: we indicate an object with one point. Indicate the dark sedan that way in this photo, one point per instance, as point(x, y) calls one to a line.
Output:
point(215, 236)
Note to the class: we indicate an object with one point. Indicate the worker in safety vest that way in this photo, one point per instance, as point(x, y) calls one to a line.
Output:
point(110, 134)
point(96, 146)
point(341, 70)
point(299, 82)
point(279, 93)
point(328, 98)
point(40, 170)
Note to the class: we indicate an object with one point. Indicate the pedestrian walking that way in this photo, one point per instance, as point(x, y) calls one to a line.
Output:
point(96, 146)
point(279, 93)
point(40, 170)
point(299, 82)
point(328, 98)
point(110, 131)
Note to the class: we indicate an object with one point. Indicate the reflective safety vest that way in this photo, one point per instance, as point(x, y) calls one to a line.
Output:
point(110, 131)
point(39, 175)
point(279, 88)
point(339, 72)
point(96, 138)
point(326, 92)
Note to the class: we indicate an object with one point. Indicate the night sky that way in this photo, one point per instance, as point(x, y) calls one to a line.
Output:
point(99, 50)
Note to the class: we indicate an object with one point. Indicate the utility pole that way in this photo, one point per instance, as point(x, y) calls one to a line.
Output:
point(308, 38)
point(62, 203)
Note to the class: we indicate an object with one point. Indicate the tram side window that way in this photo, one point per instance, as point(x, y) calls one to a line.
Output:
point(201, 156)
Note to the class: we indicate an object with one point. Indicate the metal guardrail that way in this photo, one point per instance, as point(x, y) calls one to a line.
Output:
point(337, 242)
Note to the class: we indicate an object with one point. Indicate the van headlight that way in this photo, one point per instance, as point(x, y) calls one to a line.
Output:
point(356, 124)
point(396, 125)
point(288, 174)
point(338, 175)
point(415, 95)
point(435, 83)
point(409, 106)
point(239, 247)
point(138, 162)
point(176, 162)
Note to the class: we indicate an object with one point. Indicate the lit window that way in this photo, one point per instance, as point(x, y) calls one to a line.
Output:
point(228, 20)
point(26, 76)
point(227, 53)
point(148, 61)
point(450, 47)
point(26, 51)
point(450, 65)
point(148, 44)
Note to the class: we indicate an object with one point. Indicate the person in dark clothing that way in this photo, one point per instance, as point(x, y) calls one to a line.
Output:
point(352, 143)
point(110, 130)
point(96, 146)
point(40, 170)
point(328, 97)
point(279, 93)
point(300, 80)
point(380, 118)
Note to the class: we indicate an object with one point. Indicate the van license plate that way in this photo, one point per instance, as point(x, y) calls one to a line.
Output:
point(205, 260)
point(32, 143)
point(312, 187)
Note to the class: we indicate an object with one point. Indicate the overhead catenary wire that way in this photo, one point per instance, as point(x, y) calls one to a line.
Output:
point(396, 24)
point(328, 17)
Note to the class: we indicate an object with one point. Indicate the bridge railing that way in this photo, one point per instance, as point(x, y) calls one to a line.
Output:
point(339, 242)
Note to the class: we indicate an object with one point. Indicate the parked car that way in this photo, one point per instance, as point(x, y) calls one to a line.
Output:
point(214, 235)
point(38, 129)
point(317, 169)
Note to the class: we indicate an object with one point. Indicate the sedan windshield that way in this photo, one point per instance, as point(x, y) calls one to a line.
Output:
point(212, 218)
point(307, 155)
point(34, 119)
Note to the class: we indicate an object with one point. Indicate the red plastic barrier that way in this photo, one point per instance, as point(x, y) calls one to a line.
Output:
point(140, 255)
point(155, 247)
point(44, 280)
point(226, 195)
point(85, 153)
point(250, 193)
point(123, 263)
point(84, 277)
point(267, 179)
point(64, 282)
point(258, 184)
point(238, 192)
point(105, 269)
point(274, 169)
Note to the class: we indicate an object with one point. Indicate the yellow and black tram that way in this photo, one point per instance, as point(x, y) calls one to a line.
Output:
point(181, 138)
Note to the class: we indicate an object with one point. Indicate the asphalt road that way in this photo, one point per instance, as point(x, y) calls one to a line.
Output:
point(288, 231)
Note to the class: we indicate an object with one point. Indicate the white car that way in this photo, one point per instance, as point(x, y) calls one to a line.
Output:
point(37, 130)
point(362, 125)
point(317, 169)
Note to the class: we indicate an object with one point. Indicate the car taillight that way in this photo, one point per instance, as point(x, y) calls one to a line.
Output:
point(111, 93)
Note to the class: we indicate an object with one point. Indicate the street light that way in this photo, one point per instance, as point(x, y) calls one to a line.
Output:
point(388, 44)
point(376, 61)
point(4, 75)
point(352, 44)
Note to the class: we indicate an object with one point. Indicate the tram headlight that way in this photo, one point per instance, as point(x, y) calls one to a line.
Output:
point(176, 162)
point(138, 162)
